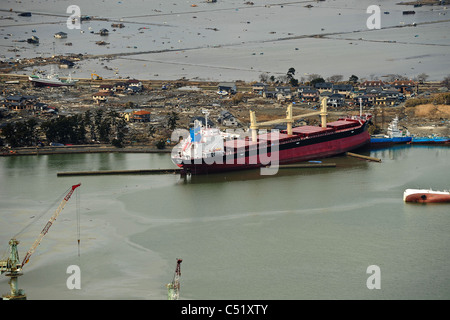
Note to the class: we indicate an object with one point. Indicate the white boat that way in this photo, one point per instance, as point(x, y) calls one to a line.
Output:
point(51, 80)
point(394, 132)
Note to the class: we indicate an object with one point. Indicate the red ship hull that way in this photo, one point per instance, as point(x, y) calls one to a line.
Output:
point(290, 149)
point(428, 197)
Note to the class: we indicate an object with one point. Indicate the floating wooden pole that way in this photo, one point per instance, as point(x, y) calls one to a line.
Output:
point(362, 157)
point(113, 172)
point(307, 165)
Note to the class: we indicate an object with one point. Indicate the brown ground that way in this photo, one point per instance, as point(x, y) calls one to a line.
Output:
point(421, 120)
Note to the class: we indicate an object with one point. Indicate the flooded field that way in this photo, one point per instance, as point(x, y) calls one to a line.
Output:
point(231, 40)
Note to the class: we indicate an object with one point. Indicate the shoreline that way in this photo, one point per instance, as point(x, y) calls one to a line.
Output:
point(33, 151)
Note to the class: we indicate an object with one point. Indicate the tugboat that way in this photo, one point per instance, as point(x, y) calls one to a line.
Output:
point(394, 135)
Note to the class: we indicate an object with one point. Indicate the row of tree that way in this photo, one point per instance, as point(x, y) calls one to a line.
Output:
point(98, 126)
point(20, 133)
point(314, 78)
point(310, 79)
point(105, 127)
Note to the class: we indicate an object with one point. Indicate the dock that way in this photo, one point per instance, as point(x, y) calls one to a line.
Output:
point(176, 170)
point(307, 165)
point(115, 172)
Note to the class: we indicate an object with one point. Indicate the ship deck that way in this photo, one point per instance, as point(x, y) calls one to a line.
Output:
point(303, 132)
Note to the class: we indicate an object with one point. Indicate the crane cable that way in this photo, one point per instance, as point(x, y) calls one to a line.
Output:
point(41, 214)
point(77, 198)
point(35, 219)
point(46, 211)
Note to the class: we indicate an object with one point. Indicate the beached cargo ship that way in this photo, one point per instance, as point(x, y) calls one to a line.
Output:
point(209, 150)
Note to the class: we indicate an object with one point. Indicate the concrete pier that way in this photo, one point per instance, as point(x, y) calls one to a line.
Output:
point(115, 172)
point(307, 165)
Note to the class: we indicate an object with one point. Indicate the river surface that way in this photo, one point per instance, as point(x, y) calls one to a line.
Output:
point(300, 234)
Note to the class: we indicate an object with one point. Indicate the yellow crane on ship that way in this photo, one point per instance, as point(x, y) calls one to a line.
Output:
point(289, 120)
point(12, 265)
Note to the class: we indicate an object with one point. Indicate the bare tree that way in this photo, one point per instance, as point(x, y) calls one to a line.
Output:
point(313, 76)
point(446, 81)
point(264, 77)
point(283, 78)
point(392, 77)
point(422, 77)
point(335, 78)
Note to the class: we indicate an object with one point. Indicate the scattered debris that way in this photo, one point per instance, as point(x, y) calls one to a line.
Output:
point(60, 35)
point(33, 40)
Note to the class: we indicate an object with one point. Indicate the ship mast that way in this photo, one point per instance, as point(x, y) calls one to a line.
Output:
point(206, 113)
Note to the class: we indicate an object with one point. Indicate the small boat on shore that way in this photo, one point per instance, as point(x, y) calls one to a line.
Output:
point(426, 196)
point(51, 80)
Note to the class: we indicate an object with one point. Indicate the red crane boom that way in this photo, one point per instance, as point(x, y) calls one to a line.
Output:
point(49, 224)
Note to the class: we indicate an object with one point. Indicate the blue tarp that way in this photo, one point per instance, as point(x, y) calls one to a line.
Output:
point(195, 134)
